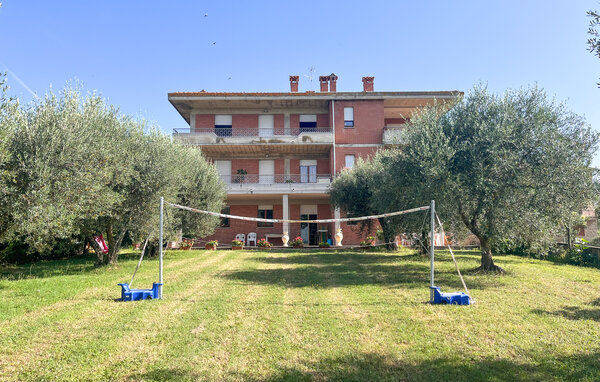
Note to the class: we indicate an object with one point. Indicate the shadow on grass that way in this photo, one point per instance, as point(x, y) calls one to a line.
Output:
point(324, 270)
point(62, 267)
point(376, 367)
point(573, 313)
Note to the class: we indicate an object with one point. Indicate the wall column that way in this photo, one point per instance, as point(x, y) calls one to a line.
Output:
point(336, 215)
point(286, 213)
point(286, 124)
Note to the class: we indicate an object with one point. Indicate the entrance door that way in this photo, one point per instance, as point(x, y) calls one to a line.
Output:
point(266, 171)
point(265, 125)
point(308, 231)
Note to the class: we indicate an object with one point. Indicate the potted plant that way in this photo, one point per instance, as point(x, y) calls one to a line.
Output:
point(297, 242)
point(369, 242)
point(186, 244)
point(324, 244)
point(211, 245)
point(263, 244)
point(237, 244)
point(241, 176)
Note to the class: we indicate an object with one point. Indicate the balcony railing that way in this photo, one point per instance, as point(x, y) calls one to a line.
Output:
point(276, 179)
point(392, 135)
point(252, 132)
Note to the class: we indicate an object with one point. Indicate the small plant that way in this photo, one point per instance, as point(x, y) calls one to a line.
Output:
point(324, 244)
point(289, 181)
point(237, 243)
point(186, 244)
point(241, 176)
point(297, 242)
point(212, 244)
point(369, 242)
point(263, 243)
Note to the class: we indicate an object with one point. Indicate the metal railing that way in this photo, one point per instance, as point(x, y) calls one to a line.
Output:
point(276, 179)
point(392, 135)
point(253, 132)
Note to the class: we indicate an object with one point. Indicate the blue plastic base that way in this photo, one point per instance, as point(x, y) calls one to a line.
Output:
point(139, 294)
point(456, 298)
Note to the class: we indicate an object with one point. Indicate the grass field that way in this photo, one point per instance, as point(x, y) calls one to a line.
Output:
point(296, 316)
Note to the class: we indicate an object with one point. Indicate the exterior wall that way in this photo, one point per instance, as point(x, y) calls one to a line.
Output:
point(204, 121)
point(368, 122)
point(244, 121)
point(359, 152)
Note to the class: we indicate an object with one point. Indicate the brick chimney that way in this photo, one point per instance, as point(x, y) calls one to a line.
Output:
point(368, 84)
point(294, 84)
point(332, 82)
point(324, 80)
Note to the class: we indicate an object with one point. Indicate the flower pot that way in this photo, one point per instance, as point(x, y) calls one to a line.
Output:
point(210, 247)
point(236, 248)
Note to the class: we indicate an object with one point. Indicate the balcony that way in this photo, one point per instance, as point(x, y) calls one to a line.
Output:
point(277, 184)
point(243, 136)
point(392, 135)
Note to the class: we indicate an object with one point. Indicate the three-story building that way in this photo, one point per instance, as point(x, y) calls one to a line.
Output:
point(278, 152)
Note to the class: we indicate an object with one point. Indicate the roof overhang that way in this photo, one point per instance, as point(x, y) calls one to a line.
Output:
point(395, 102)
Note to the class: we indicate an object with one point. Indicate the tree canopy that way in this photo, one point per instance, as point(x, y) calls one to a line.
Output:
point(512, 166)
point(74, 167)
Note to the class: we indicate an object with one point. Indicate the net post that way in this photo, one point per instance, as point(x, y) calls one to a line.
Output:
point(432, 248)
point(160, 246)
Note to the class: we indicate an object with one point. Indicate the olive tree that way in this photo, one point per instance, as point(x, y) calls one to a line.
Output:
point(511, 166)
point(74, 167)
point(352, 191)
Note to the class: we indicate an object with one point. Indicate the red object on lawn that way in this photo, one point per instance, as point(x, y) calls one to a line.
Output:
point(100, 240)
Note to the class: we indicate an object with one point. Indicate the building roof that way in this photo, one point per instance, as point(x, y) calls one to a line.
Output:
point(396, 103)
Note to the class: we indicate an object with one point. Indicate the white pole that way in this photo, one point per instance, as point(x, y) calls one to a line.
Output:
point(431, 247)
point(160, 245)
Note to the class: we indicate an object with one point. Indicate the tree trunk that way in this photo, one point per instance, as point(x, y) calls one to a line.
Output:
point(97, 250)
point(152, 249)
point(425, 242)
point(388, 237)
point(114, 244)
point(487, 262)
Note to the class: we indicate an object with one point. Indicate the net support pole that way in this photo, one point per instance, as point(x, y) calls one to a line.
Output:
point(160, 246)
point(432, 248)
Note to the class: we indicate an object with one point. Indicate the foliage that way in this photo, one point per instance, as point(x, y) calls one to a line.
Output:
point(74, 167)
point(263, 243)
point(324, 244)
point(353, 192)
point(186, 244)
point(212, 243)
point(512, 167)
point(297, 242)
point(237, 243)
point(368, 242)
point(594, 41)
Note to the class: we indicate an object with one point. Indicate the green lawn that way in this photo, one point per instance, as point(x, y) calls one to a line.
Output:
point(287, 316)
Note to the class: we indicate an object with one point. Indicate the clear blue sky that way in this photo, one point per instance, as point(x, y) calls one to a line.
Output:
point(135, 52)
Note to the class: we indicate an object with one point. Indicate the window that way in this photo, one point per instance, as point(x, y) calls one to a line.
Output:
point(225, 221)
point(223, 125)
point(308, 171)
point(348, 117)
point(349, 161)
point(265, 212)
point(308, 122)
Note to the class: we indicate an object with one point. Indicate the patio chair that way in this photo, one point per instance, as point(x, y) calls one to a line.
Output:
point(241, 237)
point(252, 237)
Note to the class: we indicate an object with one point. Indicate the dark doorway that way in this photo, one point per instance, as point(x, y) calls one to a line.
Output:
point(308, 231)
